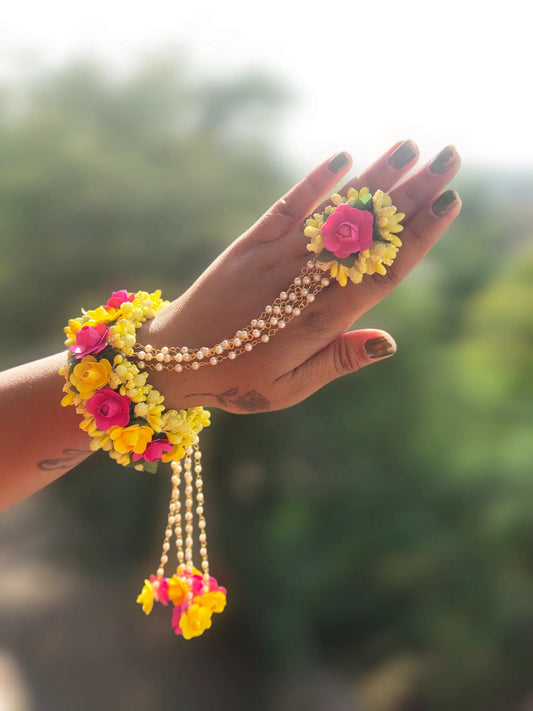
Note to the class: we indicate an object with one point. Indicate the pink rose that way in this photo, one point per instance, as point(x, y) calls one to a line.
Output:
point(154, 450)
point(119, 297)
point(176, 618)
point(160, 588)
point(347, 231)
point(90, 340)
point(110, 409)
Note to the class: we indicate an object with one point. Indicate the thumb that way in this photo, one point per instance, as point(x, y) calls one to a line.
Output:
point(346, 354)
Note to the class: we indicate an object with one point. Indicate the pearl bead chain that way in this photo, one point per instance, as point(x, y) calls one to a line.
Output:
point(275, 317)
point(185, 552)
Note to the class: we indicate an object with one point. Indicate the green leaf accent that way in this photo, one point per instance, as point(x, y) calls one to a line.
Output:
point(326, 256)
point(365, 203)
point(325, 215)
point(348, 261)
point(150, 467)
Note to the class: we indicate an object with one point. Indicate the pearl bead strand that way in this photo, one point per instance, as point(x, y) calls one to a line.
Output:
point(275, 317)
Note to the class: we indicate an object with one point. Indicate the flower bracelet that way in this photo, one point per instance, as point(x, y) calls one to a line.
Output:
point(107, 383)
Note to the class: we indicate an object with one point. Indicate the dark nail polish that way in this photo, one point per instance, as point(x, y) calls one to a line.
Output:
point(379, 348)
point(403, 155)
point(444, 203)
point(444, 160)
point(338, 162)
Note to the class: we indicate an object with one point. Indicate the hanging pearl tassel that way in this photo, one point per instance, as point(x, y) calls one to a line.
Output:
point(194, 594)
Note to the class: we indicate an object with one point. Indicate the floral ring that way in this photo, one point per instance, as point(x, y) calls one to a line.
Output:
point(356, 235)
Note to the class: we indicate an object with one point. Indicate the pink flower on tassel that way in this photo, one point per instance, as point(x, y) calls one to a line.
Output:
point(90, 340)
point(160, 588)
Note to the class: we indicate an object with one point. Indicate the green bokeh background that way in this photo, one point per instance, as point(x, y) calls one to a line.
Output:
point(377, 540)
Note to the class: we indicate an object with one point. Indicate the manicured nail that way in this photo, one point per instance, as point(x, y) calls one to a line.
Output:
point(379, 348)
point(444, 203)
point(444, 160)
point(338, 162)
point(403, 155)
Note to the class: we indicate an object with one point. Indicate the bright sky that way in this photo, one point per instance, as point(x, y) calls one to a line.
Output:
point(366, 73)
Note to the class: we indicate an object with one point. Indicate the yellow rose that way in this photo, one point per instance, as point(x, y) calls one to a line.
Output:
point(214, 601)
point(195, 621)
point(146, 598)
point(131, 439)
point(90, 375)
point(177, 590)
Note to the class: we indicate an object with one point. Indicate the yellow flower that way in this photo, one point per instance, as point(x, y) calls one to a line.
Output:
point(195, 621)
point(146, 598)
point(177, 590)
point(90, 375)
point(214, 601)
point(131, 439)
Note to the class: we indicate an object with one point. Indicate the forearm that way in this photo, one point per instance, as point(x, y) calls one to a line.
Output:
point(40, 440)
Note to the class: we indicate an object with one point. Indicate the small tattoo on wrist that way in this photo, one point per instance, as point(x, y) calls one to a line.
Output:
point(64, 462)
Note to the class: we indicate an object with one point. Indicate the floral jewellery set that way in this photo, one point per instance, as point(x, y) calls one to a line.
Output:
point(107, 382)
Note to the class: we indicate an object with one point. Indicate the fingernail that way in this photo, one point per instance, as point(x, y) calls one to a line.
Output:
point(379, 348)
point(444, 160)
point(338, 162)
point(403, 155)
point(444, 203)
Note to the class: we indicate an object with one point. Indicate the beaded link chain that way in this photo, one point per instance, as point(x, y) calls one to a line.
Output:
point(275, 317)
point(125, 416)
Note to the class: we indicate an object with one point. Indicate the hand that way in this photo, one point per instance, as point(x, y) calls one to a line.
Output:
point(314, 348)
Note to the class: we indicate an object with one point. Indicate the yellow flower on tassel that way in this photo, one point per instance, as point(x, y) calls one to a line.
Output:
point(177, 590)
point(146, 598)
point(195, 621)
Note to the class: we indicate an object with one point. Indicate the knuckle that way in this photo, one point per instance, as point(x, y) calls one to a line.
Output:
point(284, 209)
point(345, 358)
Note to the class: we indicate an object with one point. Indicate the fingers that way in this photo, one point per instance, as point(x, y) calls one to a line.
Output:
point(386, 171)
point(296, 205)
point(348, 353)
point(426, 184)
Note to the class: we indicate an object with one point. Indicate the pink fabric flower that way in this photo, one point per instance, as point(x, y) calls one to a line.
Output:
point(154, 450)
point(347, 231)
point(198, 583)
point(109, 408)
point(90, 340)
point(160, 588)
point(119, 297)
point(176, 617)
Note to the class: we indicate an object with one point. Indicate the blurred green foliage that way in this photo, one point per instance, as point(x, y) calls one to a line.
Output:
point(390, 514)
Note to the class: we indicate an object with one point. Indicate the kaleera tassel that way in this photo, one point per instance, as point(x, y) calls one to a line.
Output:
point(194, 593)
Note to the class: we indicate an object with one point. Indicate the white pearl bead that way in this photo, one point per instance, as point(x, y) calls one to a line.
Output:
point(304, 292)
point(232, 355)
point(306, 280)
point(195, 365)
point(175, 479)
point(219, 350)
point(164, 350)
point(200, 497)
point(297, 281)
point(292, 297)
point(141, 365)
point(265, 338)
point(203, 551)
point(268, 309)
point(261, 323)
point(225, 343)
point(273, 321)
point(256, 333)
point(205, 350)
point(213, 360)
point(184, 349)
point(178, 368)
point(148, 348)
point(200, 510)
point(140, 355)
point(202, 537)
point(296, 312)
point(188, 556)
point(159, 366)
point(201, 524)
point(277, 310)
point(164, 559)
point(237, 342)
point(288, 309)
point(160, 572)
point(197, 469)
point(148, 356)
point(205, 565)
point(199, 355)
point(283, 296)
point(253, 322)
point(281, 324)
point(310, 264)
point(310, 298)
point(248, 346)
point(167, 358)
point(316, 277)
point(324, 281)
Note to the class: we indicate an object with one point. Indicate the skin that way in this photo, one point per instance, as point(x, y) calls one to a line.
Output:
point(312, 351)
